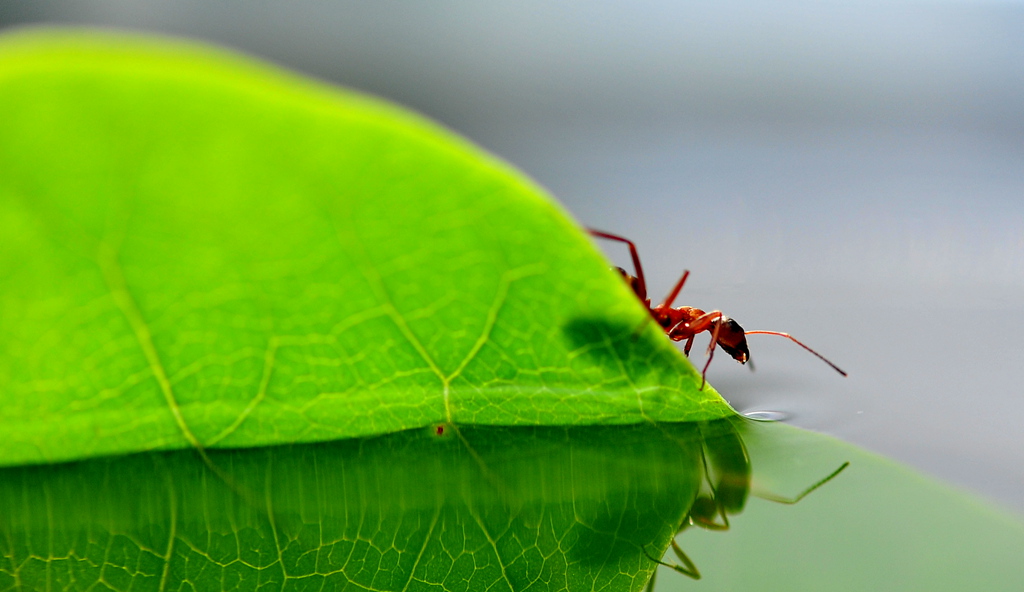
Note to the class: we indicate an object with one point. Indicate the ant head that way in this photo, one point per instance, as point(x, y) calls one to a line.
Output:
point(732, 339)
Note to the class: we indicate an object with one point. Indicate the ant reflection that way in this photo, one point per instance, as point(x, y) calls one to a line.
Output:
point(723, 490)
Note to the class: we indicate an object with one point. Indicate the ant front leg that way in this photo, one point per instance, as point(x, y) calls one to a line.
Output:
point(690, 569)
point(705, 322)
point(709, 523)
point(706, 511)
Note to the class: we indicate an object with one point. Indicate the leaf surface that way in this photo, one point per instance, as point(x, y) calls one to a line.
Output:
point(199, 250)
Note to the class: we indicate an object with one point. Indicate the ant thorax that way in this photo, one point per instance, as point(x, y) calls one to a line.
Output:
point(677, 319)
point(684, 322)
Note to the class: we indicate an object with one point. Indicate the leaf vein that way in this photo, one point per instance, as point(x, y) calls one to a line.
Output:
point(115, 281)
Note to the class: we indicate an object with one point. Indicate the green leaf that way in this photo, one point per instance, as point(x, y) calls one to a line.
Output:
point(502, 509)
point(198, 250)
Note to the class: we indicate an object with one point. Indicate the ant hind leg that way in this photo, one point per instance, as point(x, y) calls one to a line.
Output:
point(641, 288)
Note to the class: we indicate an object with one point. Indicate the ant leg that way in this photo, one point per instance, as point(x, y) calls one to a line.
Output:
point(712, 525)
point(702, 323)
point(690, 570)
point(796, 341)
point(806, 492)
point(675, 291)
point(689, 344)
point(704, 372)
point(642, 291)
point(714, 333)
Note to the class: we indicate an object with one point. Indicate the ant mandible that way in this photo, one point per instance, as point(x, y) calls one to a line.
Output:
point(685, 322)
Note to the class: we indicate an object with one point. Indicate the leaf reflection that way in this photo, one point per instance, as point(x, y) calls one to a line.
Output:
point(476, 508)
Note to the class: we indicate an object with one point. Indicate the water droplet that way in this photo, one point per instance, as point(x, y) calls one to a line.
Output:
point(767, 415)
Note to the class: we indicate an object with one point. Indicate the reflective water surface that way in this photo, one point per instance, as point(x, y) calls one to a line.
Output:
point(503, 508)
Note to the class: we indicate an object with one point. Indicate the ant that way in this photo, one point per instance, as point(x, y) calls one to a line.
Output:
point(725, 486)
point(685, 322)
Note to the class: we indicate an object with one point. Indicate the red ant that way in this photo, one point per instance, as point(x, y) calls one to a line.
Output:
point(685, 322)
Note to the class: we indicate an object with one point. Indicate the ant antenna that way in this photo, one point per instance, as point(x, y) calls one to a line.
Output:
point(797, 341)
point(806, 492)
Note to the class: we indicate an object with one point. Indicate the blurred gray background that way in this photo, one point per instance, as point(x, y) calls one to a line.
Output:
point(850, 173)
